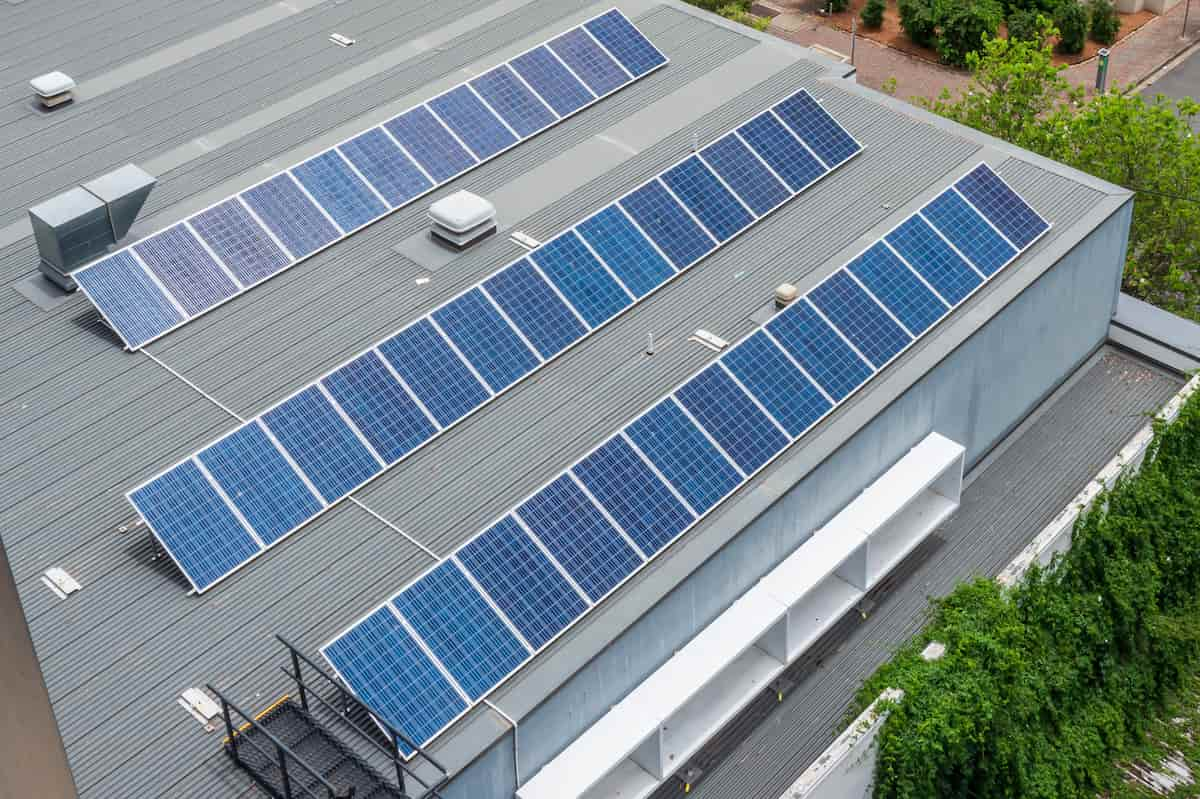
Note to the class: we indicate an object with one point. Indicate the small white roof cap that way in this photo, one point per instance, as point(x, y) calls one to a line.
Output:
point(462, 211)
point(52, 83)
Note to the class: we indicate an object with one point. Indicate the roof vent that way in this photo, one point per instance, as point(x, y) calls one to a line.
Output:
point(53, 89)
point(462, 218)
point(785, 295)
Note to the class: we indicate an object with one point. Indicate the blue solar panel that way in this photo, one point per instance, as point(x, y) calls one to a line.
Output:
point(313, 433)
point(379, 406)
point(665, 221)
point(968, 231)
point(178, 260)
point(713, 204)
point(290, 215)
point(523, 110)
point(684, 455)
point(633, 495)
point(767, 136)
point(731, 418)
point(626, 251)
point(488, 342)
point(239, 241)
point(260, 482)
point(475, 124)
point(534, 307)
point(579, 537)
point(195, 524)
point(394, 677)
point(745, 174)
point(581, 278)
point(811, 122)
point(775, 382)
point(522, 581)
point(385, 166)
point(894, 285)
point(925, 251)
point(553, 81)
point(339, 191)
point(137, 309)
point(589, 61)
point(1001, 205)
point(625, 42)
point(427, 141)
point(859, 317)
point(461, 629)
point(820, 350)
point(434, 372)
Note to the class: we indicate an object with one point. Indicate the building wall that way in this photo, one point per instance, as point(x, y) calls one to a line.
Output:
point(975, 396)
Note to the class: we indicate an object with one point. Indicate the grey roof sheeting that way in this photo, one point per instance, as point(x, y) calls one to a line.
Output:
point(81, 420)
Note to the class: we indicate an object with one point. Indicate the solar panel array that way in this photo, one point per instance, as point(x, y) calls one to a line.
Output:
point(159, 283)
point(427, 654)
point(357, 421)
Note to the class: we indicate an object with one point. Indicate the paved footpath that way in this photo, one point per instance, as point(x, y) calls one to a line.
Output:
point(1132, 61)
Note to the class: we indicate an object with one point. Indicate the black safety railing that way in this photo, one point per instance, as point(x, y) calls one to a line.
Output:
point(347, 703)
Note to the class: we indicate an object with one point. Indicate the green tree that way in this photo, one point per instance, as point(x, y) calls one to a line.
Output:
point(1023, 24)
point(918, 19)
point(1071, 19)
point(872, 14)
point(1105, 22)
point(963, 25)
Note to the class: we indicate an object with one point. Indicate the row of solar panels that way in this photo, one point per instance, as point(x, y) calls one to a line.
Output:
point(430, 652)
point(171, 277)
point(239, 496)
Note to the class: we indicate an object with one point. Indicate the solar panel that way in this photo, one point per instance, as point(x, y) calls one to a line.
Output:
point(379, 406)
point(487, 341)
point(992, 197)
point(744, 409)
point(820, 131)
point(685, 456)
point(819, 349)
point(535, 308)
point(394, 677)
point(729, 415)
point(862, 320)
point(373, 173)
point(628, 253)
point(589, 61)
point(331, 456)
point(460, 628)
point(927, 253)
point(330, 180)
point(897, 288)
point(663, 219)
point(714, 205)
point(523, 110)
point(782, 151)
point(581, 278)
point(185, 268)
point(633, 495)
point(229, 230)
point(776, 383)
point(259, 481)
point(290, 215)
point(434, 372)
point(749, 177)
point(394, 397)
point(955, 219)
point(625, 42)
point(522, 581)
point(128, 299)
point(385, 166)
point(473, 122)
point(579, 537)
point(553, 82)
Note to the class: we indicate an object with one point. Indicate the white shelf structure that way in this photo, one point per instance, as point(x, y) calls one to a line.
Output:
point(651, 733)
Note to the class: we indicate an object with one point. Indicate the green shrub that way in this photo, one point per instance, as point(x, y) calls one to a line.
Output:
point(1071, 19)
point(1023, 26)
point(1105, 22)
point(837, 5)
point(872, 14)
point(918, 20)
point(962, 26)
